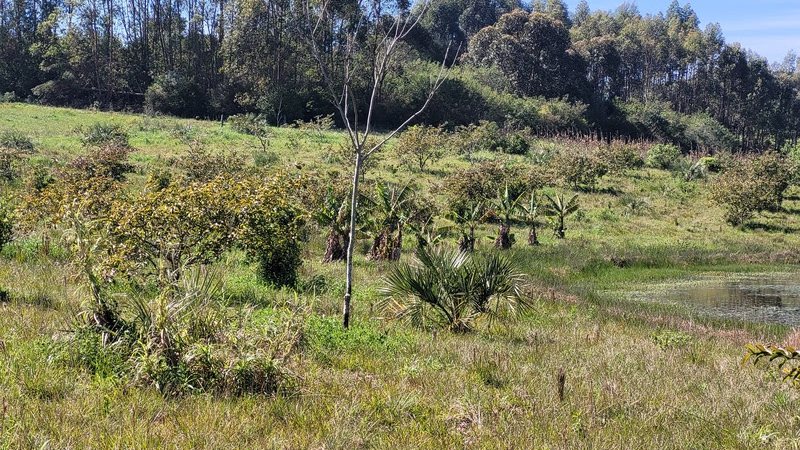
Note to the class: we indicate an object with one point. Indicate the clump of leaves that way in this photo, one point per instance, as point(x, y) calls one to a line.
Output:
point(272, 227)
point(667, 339)
point(633, 205)
point(201, 164)
point(332, 214)
point(391, 208)
point(14, 148)
point(101, 134)
point(449, 289)
point(6, 223)
point(662, 156)
point(420, 145)
point(751, 185)
point(504, 211)
point(619, 158)
point(561, 207)
point(577, 170)
point(183, 341)
point(15, 140)
point(689, 170)
point(787, 359)
point(105, 160)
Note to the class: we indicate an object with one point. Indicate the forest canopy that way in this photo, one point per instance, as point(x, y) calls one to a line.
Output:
point(618, 73)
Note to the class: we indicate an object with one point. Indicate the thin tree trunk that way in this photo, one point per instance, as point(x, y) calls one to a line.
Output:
point(351, 241)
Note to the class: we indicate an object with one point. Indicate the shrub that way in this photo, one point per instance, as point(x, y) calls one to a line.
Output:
point(577, 170)
point(452, 290)
point(107, 160)
point(185, 342)
point(420, 145)
point(265, 158)
point(514, 144)
point(200, 164)
point(253, 125)
point(272, 228)
point(472, 138)
point(14, 140)
point(176, 94)
point(711, 164)
point(170, 230)
point(104, 134)
point(662, 156)
point(482, 182)
point(620, 157)
point(752, 185)
point(561, 207)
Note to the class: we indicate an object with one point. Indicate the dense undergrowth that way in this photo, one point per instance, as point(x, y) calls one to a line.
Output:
point(222, 356)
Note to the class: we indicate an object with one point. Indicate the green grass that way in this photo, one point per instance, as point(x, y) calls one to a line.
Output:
point(638, 375)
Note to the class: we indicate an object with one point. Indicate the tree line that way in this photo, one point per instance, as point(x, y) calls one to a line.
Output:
point(541, 66)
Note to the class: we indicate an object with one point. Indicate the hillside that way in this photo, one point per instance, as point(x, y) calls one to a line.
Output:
point(636, 374)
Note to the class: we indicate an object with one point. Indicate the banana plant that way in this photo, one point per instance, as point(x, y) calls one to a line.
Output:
point(333, 215)
point(530, 214)
point(505, 207)
point(428, 232)
point(468, 219)
point(391, 208)
point(562, 207)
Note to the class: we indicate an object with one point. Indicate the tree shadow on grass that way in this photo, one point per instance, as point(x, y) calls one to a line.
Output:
point(769, 227)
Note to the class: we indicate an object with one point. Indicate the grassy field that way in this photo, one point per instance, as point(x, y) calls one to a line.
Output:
point(637, 375)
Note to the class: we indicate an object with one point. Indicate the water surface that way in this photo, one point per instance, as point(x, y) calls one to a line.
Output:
point(751, 297)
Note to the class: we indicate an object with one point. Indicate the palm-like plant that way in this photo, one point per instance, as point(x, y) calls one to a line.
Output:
point(333, 215)
point(468, 218)
point(452, 289)
point(530, 214)
point(427, 231)
point(505, 207)
point(562, 207)
point(392, 207)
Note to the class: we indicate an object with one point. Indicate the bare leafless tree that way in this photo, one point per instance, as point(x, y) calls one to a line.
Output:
point(349, 44)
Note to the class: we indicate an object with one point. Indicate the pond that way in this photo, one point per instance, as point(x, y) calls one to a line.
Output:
point(752, 297)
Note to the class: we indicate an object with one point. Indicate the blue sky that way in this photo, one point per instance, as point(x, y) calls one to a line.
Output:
point(769, 27)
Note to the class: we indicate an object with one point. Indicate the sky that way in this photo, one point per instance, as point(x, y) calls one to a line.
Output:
point(768, 27)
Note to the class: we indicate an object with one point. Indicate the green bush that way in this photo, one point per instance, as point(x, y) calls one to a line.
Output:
point(104, 134)
point(419, 146)
point(8, 97)
point(14, 140)
point(662, 156)
point(515, 144)
point(752, 185)
point(184, 342)
point(712, 164)
point(619, 157)
point(176, 94)
point(265, 158)
point(201, 164)
point(255, 125)
point(482, 182)
point(272, 228)
point(577, 170)
point(106, 160)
